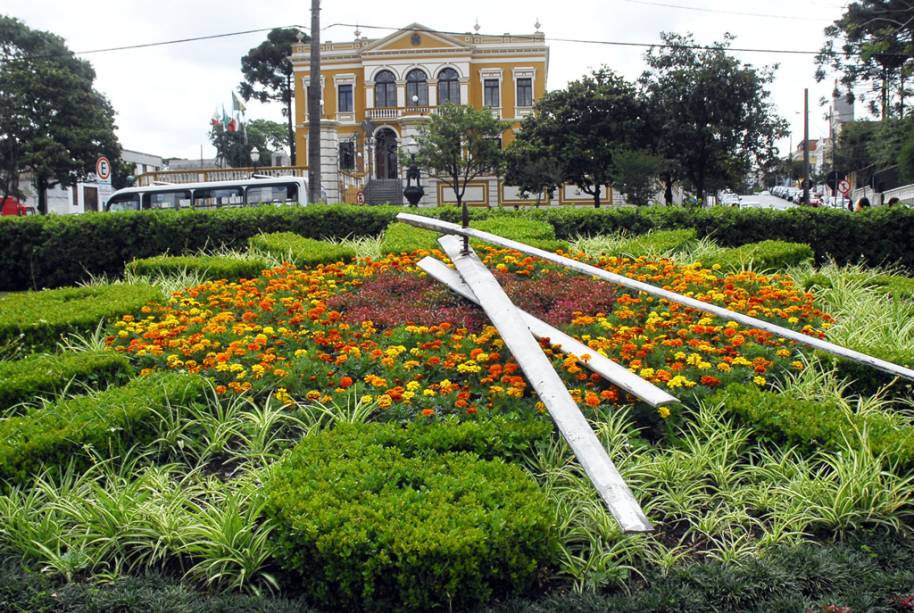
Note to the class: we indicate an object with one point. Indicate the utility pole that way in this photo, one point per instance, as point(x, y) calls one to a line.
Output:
point(314, 106)
point(806, 146)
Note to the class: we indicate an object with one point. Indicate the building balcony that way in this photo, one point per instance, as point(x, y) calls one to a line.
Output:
point(396, 112)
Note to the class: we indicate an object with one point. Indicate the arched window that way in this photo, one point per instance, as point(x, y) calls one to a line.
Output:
point(416, 88)
point(448, 86)
point(385, 89)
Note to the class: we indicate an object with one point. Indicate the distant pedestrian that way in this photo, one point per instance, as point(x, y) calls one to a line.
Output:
point(893, 201)
point(863, 203)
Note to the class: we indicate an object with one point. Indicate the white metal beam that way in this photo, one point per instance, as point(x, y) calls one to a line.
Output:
point(600, 364)
point(549, 387)
point(587, 269)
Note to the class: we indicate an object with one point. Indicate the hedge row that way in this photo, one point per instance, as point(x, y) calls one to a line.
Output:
point(24, 379)
point(811, 425)
point(37, 320)
point(384, 517)
point(206, 266)
point(404, 238)
point(50, 251)
point(764, 256)
point(53, 436)
point(876, 236)
point(654, 243)
point(301, 251)
point(897, 286)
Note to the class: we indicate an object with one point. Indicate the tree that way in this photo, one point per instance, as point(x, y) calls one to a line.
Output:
point(53, 123)
point(715, 118)
point(268, 75)
point(236, 147)
point(267, 135)
point(460, 143)
point(582, 126)
point(531, 170)
point(906, 162)
point(637, 173)
point(871, 43)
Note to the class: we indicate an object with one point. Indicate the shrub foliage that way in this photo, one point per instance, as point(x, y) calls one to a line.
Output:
point(371, 519)
point(53, 436)
point(50, 373)
point(301, 251)
point(764, 256)
point(811, 424)
point(39, 319)
point(207, 266)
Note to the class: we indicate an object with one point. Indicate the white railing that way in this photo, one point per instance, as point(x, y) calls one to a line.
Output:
point(395, 112)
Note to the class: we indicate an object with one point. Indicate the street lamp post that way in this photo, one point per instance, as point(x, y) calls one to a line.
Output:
point(413, 193)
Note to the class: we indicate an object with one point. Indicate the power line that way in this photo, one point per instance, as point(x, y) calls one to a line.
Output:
point(724, 12)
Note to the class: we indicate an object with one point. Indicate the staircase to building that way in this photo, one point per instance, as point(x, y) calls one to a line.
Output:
point(384, 191)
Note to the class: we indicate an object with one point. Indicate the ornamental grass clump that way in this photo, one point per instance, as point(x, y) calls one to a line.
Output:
point(368, 524)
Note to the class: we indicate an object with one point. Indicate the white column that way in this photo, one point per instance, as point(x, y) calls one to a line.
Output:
point(401, 94)
point(433, 92)
point(464, 91)
point(330, 160)
point(369, 95)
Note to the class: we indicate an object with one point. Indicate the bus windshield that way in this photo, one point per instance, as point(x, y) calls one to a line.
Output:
point(124, 202)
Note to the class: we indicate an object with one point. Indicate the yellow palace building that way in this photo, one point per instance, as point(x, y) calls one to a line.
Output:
point(377, 93)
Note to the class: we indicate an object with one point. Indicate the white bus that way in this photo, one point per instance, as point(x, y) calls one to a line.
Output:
point(214, 194)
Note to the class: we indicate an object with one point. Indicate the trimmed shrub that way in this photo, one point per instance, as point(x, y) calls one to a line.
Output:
point(208, 266)
point(118, 417)
point(55, 250)
point(39, 319)
point(812, 424)
point(655, 243)
point(868, 380)
point(765, 256)
point(373, 516)
point(897, 286)
point(49, 373)
point(525, 230)
point(404, 238)
point(301, 251)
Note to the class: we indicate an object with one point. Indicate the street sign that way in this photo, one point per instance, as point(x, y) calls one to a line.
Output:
point(360, 197)
point(844, 187)
point(103, 169)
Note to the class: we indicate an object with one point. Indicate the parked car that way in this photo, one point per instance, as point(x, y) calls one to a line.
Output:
point(12, 207)
point(729, 199)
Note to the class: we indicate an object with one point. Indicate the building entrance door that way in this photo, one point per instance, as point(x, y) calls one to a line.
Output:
point(386, 154)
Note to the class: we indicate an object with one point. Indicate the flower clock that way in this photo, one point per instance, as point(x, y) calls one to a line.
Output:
point(385, 331)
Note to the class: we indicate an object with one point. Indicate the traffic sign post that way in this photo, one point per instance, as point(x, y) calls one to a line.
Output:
point(360, 197)
point(103, 170)
point(844, 187)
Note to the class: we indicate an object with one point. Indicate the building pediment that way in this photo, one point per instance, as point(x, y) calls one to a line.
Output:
point(416, 36)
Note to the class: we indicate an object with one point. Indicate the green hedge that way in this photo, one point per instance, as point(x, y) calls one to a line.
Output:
point(39, 319)
point(765, 256)
point(50, 373)
point(55, 250)
point(207, 266)
point(812, 424)
point(403, 238)
point(655, 243)
point(301, 251)
point(371, 518)
point(533, 232)
point(53, 436)
point(894, 285)
point(877, 236)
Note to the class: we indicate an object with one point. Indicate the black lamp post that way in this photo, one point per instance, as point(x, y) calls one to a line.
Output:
point(413, 193)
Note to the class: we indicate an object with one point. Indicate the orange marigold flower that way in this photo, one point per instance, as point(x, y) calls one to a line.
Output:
point(345, 382)
point(428, 412)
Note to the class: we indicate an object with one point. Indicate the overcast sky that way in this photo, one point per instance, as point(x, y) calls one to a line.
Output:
point(165, 96)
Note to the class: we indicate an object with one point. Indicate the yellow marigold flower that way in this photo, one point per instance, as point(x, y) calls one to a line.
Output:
point(759, 380)
point(797, 364)
point(413, 386)
point(367, 398)
point(429, 392)
point(313, 395)
point(268, 330)
point(646, 373)
point(723, 367)
point(384, 401)
point(663, 412)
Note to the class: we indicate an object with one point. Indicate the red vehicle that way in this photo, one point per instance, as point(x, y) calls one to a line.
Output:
point(12, 207)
